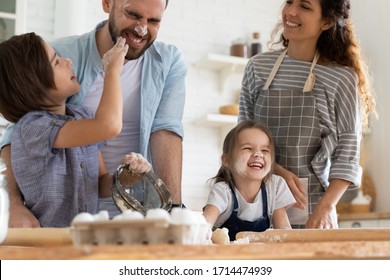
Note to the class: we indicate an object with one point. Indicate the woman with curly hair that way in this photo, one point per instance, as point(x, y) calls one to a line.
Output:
point(313, 94)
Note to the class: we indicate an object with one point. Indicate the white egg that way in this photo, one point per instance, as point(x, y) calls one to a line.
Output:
point(183, 216)
point(83, 217)
point(118, 217)
point(132, 215)
point(200, 218)
point(158, 213)
point(102, 216)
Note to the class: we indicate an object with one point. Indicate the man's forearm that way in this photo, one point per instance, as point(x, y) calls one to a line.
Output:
point(15, 195)
point(167, 156)
point(20, 216)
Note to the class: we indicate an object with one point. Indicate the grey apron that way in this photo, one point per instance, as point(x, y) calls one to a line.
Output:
point(291, 116)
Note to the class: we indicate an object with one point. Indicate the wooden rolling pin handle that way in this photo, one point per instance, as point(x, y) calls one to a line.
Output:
point(37, 237)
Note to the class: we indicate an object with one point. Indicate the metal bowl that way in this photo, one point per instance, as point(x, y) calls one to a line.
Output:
point(139, 192)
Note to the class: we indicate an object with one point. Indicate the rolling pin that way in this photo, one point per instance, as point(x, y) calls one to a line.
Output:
point(316, 235)
point(37, 237)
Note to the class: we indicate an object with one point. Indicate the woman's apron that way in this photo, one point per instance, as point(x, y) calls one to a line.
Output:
point(235, 224)
point(291, 116)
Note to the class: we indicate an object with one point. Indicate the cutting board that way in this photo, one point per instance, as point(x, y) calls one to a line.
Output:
point(316, 235)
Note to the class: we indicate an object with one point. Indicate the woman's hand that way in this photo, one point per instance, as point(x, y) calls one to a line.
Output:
point(294, 184)
point(138, 164)
point(323, 217)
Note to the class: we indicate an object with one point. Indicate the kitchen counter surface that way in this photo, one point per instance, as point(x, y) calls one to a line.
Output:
point(364, 216)
point(57, 245)
point(275, 251)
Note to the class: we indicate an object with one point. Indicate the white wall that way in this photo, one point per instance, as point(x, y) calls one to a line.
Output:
point(371, 23)
point(199, 27)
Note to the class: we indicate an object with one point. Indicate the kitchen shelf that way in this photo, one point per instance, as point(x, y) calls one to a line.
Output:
point(365, 220)
point(217, 120)
point(226, 65)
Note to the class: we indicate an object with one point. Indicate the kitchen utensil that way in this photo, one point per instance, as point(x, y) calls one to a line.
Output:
point(139, 192)
point(316, 235)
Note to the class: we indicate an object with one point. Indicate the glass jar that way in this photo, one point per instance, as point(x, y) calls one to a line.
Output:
point(239, 48)
point(4, 203)
point(255, 46)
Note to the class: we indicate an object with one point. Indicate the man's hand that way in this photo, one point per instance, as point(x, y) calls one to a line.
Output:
point(20, 216)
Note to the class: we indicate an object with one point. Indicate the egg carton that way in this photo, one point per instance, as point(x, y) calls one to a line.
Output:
point(129, 228)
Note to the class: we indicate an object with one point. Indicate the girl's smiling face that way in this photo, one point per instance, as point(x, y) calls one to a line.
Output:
point(252, 159)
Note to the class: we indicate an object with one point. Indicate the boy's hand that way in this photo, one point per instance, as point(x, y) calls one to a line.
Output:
point(115, 57)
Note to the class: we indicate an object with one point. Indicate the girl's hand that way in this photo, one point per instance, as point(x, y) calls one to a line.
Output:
point(138, 164)
point(115, 57)
point(294, 184)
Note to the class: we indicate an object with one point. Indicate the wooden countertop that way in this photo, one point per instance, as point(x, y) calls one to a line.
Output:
point(50, 244)
point(254, 251)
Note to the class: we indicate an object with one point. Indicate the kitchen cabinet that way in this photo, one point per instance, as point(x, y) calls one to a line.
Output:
point(225, 65)
point(12, 18)
point(365, 220)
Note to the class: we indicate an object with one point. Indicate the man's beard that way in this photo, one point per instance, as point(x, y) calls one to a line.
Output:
point(131, 53)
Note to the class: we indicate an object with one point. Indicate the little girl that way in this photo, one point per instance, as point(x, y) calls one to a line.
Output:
point(246, 196)
point(55, 146)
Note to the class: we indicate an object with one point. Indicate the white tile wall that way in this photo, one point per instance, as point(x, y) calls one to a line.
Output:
point(197, 27)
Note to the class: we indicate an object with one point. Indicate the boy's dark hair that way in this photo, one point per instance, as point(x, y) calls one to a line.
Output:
point(229, 145)
point(26, 76)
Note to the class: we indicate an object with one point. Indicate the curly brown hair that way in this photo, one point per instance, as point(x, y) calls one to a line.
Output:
point(338, 44)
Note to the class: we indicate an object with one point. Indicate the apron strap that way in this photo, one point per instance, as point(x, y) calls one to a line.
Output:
point(310, 81)
point(275, 70)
